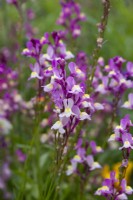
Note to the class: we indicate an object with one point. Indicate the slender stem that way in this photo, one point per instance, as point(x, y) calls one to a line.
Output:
point(114, 113)
point(113, 117)
point(34, 142)
point(101, 30)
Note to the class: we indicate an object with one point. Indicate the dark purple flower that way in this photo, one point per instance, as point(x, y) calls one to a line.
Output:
point(30, 14)
point(129, 68)
point(95, 149)
point(14, 2)
point(123, 136)
point(20, 155)
point(70, 17)
point(83, 158)
point(110, 190)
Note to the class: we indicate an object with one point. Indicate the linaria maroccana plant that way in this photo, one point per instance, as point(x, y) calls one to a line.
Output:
point(79, 93)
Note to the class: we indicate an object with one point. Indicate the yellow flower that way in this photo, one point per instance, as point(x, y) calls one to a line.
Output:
point(106, 171)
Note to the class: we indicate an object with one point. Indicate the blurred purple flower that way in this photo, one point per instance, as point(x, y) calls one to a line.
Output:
point(70, 17)
point(20, 155)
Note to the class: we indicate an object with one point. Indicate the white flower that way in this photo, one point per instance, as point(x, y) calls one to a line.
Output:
point(58, 126)
point(127, 104)
point(129, 190)
point(87, 104)
point(86, 96)
point(69, 55)
point(84, 115)
point(126, 144)
point(17, 98)
point(68, 103)
point(35, 71)
point(98, 106)
point(102, 189)
point(48, 88)
point(111, 138)
point(5, 126)
point(93, 165)
point(122, 196)
point(77, 158)
point(79, 73)
point(76, 89)
point(25, 51)
point(101, 89)
point(71, 168)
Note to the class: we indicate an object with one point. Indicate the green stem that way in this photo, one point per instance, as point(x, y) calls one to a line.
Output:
point(101, 28)
point(34, 142)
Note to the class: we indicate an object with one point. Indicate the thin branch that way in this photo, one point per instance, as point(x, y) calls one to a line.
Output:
point(100, 38)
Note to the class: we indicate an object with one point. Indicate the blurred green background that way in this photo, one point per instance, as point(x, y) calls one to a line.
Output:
point(119, 33)
point(118, 41)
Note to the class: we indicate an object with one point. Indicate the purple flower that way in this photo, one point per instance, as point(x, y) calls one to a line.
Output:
point(126, 189)
point(46, 64)
point(76, 71)
point(70, 17)
point(60, 124)
point(93, 165)
point(123, 136)
point(68, 104)
point(109, 188)
point(129, 104)
point(112, 79)
point(102, 88)
point(33, 49)
point(5, 175)
point(14, 2)
point(71, 168)
point(36, 71)
point(20, 155)
point(29, 30)
point(125, 124)
point(30, 14)
point(129, 68)
point(95, 149)
point(83, 158)
point(127, 141)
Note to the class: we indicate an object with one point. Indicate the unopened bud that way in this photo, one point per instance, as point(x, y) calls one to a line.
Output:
point(99, 42)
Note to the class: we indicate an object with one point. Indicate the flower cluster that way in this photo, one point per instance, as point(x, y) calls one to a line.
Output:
point(55, 50)
point(14, 2)
point(84, 158)
point(70, 17)
point(68, 94)
point(66, 84)
point(10, 99)
point(112, 78)
point(5, 171)
point(10, 102)
point(8, 79)
point(82, 63)
point(113, 189)
point(123, 136)
point(5, 174)
point(107, 169)
point(29, 30)
point(67, 89)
